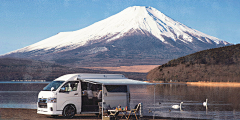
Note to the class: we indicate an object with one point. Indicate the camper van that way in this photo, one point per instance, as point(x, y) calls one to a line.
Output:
point(84, 93)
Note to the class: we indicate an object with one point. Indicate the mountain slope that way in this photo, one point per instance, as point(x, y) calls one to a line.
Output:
point(215, 65)
point(136, 35)
point(25, 69)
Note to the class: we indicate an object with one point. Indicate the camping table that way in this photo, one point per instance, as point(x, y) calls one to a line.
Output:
point(115, 113)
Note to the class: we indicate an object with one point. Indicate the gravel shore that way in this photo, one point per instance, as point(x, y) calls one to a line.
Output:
point(31, 114)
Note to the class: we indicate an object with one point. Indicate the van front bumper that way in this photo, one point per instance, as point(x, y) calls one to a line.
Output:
point(49, 110)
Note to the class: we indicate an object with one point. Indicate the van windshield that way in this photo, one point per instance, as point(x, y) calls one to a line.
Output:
point(54, 84)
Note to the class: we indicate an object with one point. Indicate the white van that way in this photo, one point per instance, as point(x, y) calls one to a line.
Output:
point(83, 93)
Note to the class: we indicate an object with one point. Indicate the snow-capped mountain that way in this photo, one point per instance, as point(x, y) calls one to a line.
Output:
point(142, 35)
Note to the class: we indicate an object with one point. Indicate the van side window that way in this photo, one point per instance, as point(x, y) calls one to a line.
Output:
point(116, 88)
point(84, 86)
point(70, 86)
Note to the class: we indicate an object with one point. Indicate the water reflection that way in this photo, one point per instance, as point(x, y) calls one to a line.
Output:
point(18, 99)
point(20, 94)
point(222, 101)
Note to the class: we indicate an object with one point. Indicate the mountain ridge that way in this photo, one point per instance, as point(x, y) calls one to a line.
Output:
point(112, 34)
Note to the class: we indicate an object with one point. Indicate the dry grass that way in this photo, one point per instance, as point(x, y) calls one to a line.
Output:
point(135, 68)
point(214, 84)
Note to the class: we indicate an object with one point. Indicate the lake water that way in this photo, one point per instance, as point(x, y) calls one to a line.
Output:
point(20, 94)
point(223, 102)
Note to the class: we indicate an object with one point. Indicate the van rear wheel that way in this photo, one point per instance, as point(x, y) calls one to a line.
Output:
point(69, 111)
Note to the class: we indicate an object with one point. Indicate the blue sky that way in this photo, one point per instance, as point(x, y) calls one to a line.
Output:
point(24, 22)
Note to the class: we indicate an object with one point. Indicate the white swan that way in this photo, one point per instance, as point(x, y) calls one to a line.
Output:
point(205, 103)
point(177, 106)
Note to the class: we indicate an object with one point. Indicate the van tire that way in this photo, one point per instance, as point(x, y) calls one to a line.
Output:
point(69, 111)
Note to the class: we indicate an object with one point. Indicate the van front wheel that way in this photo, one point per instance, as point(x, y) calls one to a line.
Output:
point(69, 111)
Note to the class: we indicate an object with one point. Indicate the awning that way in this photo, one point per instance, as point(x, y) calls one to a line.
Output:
point(117, 82)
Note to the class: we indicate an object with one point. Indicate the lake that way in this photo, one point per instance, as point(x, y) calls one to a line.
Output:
point(223, 102)
point(20, 94)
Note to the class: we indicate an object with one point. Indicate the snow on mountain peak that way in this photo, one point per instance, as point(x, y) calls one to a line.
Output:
point(139, 18)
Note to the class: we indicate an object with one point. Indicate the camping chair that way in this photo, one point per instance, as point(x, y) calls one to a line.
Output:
point(135, 111)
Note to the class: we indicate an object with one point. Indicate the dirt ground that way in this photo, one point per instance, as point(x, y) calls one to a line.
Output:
point(31, 114)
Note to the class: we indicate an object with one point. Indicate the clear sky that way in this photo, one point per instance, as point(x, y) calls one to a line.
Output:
point(24, 22)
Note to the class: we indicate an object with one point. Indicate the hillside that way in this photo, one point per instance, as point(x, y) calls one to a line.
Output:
point(24, 69)
point(215, 65)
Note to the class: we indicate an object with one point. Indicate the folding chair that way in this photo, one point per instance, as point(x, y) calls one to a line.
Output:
point(135, 111)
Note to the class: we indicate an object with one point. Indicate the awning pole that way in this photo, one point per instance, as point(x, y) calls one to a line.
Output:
point(154, 102)
point(102, 100)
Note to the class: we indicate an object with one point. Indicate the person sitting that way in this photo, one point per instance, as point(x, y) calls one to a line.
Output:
point(99, 96)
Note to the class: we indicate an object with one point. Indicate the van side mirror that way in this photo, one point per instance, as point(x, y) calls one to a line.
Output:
point(52, 88)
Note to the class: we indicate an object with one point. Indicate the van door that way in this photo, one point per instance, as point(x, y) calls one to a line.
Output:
point(91, 97)
point(70, 93)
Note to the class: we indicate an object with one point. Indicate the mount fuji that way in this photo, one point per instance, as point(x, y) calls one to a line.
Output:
point(137, 35)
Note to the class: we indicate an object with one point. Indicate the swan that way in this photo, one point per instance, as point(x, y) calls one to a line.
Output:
point(177, 106)
point(205, 103)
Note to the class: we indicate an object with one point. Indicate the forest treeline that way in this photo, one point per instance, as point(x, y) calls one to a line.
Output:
point(25, 69)
point(215, 65)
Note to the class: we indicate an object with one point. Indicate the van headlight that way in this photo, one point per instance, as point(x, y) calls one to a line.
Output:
point(51, 100)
